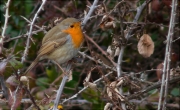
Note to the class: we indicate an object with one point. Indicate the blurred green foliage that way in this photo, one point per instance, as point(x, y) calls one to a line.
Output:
point(43, 78)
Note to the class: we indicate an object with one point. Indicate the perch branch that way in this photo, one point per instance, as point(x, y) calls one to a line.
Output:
point(92, 8)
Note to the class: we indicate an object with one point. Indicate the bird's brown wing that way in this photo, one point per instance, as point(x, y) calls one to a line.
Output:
point(45, 49)
point(50, 46)
point(54, 34)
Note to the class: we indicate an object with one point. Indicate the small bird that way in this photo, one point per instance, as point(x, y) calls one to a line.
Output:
point(61, 43)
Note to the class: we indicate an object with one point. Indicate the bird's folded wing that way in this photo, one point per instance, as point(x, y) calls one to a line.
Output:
point(50, 46)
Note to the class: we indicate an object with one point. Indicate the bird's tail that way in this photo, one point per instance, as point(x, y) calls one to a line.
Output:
point(34, 63)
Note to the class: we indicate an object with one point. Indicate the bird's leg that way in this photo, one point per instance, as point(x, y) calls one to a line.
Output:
point(59, 66)
point(64, 73)
point(68, 69)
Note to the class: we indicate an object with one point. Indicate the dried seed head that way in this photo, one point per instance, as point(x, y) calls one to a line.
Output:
point(145, 46)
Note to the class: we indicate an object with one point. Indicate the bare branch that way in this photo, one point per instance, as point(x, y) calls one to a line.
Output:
point(5, 24)
point(92, 8)
point(167, 60)
point(24, 35)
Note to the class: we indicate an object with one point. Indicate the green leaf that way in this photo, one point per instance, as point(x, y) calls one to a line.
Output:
point(42, 82)
point(15, 63)
point(52, 74)
point(92, 97)
point(175, 92)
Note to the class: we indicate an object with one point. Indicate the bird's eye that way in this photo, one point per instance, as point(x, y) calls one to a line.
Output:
point(71, 26)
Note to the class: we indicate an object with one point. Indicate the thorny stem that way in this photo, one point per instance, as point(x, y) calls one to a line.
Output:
point(2, 82)
point(6, 20)
point(28, 43)
point(30, 31)
point(5, 24)
point(166, 67)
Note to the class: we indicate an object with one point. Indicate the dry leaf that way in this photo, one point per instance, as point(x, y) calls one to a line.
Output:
point(12, 82)
point(159, 71)
point(87, 77)
point(70, 77)
point(117, 51)
point(2, 66)
point(109, 92)
point(107, 106)
point(90, 85)
point(15, 98)
point(110, 51)
point(107, 22)
point(145, 46)
point(132, 3)
point(175, 72)
point(100, 10)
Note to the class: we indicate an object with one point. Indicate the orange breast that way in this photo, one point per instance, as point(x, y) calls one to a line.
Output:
point(76, 34)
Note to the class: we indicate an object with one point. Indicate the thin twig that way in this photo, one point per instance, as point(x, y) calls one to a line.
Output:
point(30, 22)
point(23, 36)
point(103, 52)
point(154, 86)
point(75, 95)
point(5, 102)
point(32, 99)
point(166, 66)
point(98, 61)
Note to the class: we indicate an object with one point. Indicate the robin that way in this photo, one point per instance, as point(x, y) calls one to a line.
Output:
point(61, 43)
